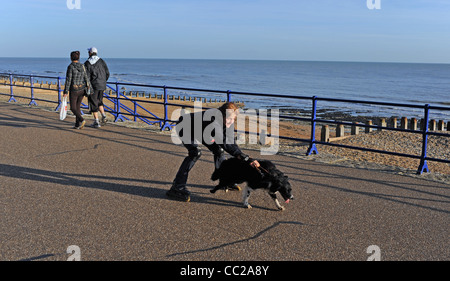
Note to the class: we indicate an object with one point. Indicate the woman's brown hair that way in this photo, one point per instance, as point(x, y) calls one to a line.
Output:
point(75, 55)
point(228, 106)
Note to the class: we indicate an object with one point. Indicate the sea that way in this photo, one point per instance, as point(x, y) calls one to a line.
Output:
point(404, 83)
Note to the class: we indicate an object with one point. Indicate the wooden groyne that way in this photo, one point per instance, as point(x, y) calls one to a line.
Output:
point(143, 94)
point(344, 131)
point(41, 84)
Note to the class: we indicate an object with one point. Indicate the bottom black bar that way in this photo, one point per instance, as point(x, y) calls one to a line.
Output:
point(234, 270)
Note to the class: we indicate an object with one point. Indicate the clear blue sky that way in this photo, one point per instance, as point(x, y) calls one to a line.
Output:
point(326, 30)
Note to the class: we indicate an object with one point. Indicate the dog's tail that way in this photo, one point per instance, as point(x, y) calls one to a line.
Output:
point(216, 175)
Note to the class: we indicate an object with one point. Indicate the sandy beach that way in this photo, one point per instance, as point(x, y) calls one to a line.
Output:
point(401, 142)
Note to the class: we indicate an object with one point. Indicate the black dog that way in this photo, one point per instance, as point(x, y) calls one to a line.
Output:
point(235, 171)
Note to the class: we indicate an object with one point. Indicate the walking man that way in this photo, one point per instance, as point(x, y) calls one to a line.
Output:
point(98, 73)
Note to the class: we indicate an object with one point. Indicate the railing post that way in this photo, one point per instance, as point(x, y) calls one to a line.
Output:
point(11, 88)
point(117, 105)
point(119, 116)
point(312, 146)
point(165, 124)
point(228, 96)
point(32, 102)
point(423, 162)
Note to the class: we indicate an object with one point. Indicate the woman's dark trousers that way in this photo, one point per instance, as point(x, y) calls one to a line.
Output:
point(194, 153)
point(76, 97)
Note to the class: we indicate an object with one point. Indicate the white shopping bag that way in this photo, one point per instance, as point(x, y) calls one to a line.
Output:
point(63, 109)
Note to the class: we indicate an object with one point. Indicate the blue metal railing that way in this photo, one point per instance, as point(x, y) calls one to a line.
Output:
point(120, 112)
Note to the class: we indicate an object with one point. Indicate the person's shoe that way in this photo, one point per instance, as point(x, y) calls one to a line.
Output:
point(95, 125)
point(179, 193)
point(82, 124)
point(104, 120)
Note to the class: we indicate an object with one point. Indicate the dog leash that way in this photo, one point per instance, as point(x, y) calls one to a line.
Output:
point(261, 168)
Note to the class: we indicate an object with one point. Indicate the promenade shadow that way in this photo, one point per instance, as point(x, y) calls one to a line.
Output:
point(85, 180)
point(134, 138)
point(418, 194)
point(223, 245)
point(108, 183)
point(126, 138)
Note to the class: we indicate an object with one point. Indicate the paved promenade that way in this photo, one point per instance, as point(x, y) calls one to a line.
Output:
point(103, 190)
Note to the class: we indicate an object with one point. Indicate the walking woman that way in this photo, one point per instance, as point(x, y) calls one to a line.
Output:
point(221, 143)
point(77, 84)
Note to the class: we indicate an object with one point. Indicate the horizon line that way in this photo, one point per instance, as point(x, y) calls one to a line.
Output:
point(237, 59)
